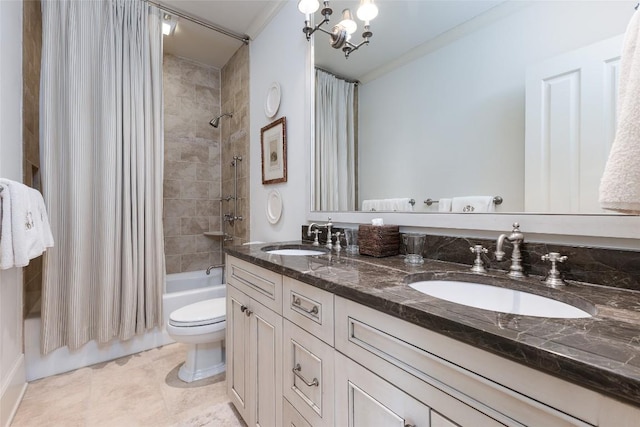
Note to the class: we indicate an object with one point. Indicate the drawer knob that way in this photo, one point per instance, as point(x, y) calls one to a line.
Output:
point(314, 310)
point(296, 371)
point(245, 310)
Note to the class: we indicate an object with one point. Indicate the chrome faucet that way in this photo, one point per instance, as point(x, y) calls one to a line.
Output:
point(328, 226)
point(329, 236)
point(516, 238)
point(211, 267)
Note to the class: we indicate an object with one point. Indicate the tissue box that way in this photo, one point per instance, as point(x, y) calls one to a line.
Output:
point(379, 240)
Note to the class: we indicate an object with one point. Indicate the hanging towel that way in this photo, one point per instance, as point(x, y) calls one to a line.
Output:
point(25, 232)
point(393, 205)
point(444, 205)
point(473, 204)
point(620, 184)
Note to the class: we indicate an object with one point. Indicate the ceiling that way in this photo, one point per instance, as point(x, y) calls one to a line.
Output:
point(201, 44)
point(400, 27)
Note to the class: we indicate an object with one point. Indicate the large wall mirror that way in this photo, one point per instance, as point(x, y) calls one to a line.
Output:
point(461, 98)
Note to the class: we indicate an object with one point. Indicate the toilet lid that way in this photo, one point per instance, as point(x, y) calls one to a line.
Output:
point(200, 313)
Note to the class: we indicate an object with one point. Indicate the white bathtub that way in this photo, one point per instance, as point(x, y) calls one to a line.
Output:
point(180, 289)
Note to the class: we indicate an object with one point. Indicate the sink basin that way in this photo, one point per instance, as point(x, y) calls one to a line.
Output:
point(294, 251)
point(498, 299)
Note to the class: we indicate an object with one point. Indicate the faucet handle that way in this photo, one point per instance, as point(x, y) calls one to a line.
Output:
point(554, 257)
point(316, 242)
point(554, 279)
point(478, 265)
point(516, 227)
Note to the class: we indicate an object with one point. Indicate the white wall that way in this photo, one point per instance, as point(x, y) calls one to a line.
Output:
point(279, 54)
point(12, 372)
point(452, 122)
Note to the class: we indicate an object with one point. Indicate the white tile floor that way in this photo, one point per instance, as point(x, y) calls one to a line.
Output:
point(138, 390)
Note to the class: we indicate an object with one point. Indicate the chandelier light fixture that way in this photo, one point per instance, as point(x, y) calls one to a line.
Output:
point(340, 34)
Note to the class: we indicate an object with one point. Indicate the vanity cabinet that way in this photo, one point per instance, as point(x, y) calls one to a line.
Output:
point(298, 355)
point(254, 343)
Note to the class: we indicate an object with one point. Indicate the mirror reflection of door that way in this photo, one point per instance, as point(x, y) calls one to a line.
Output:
point(570, 122)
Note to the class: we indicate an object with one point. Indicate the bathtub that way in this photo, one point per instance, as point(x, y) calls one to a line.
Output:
point(180, 289)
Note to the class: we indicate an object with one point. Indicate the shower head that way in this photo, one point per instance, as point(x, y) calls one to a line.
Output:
point(216, 122)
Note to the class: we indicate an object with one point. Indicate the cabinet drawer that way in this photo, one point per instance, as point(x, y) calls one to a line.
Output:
point(309, 307)
point(308, 375)
point(438, 420)
point(261, 284)
point(397, 348)
point(291, 417)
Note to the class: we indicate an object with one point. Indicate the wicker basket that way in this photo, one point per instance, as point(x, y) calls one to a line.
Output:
point(379, 240)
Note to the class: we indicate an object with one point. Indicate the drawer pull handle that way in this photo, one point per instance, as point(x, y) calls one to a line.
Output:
point(245, 310)
point(296, 372)
point(298, 303)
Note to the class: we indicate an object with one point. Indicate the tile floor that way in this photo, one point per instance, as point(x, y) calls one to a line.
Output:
point(138, 390)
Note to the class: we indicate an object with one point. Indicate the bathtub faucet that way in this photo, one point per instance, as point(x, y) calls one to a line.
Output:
point(211, 267)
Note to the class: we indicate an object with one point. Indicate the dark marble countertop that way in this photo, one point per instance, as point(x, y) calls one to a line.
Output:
point(601, 353)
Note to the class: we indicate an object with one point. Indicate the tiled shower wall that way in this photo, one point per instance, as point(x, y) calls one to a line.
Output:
point(32, 48)
point(235, 142)
point(192, 181)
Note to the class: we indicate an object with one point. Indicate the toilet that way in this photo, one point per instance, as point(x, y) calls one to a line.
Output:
point(202, 326)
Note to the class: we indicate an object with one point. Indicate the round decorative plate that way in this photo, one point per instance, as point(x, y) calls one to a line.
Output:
point(274, 206)
point(272, 103)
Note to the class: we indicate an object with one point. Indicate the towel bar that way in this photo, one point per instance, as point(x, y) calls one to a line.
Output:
point(497, 200)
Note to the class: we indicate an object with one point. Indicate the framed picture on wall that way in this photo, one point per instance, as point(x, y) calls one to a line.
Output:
point(273, 139)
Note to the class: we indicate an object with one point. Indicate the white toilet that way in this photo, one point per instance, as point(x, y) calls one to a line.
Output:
point(202, 326)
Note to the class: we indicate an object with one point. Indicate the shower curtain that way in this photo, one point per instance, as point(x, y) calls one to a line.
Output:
point(335, 144)
point(102, 155)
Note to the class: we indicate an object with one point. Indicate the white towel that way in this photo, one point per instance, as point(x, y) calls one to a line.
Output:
point(620, 184)
point(444, 205)
point(6, 237)
point(473, 204)
point(26, 232)
point(394, 205)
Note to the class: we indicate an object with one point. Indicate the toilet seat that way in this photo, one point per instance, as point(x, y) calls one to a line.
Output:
point(202, 313)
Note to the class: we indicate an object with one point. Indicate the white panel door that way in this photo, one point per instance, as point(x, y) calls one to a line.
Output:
point(570, 124)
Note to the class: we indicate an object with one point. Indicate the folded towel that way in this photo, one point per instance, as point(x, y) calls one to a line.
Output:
point(473, 204)
point(444, 205)
point(620, 184)
point(371, 205)
point(26, 232)
point(393, 205)
point(6, 237)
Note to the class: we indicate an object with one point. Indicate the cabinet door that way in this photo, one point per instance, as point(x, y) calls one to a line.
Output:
point(265, 366)
point(366, 400)
point(237, 350)
point(254, 360)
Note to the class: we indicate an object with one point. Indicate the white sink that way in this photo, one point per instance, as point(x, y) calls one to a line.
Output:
point(498, 299)
point(295, 252)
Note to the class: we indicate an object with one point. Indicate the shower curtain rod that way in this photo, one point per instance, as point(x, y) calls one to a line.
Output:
point(242, 37)
point(356, 82)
